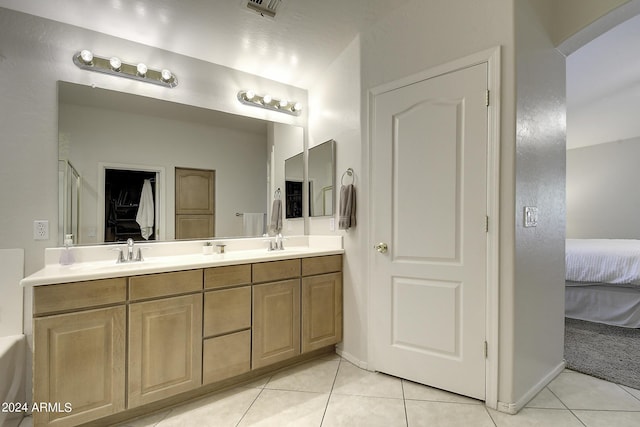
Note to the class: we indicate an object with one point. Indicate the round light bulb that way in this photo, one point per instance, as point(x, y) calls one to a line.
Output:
point(115, 63)
point(86, 56)
point(283, 103)
point(266, 99)
point(166, 75)
point(249, 95)
point(142, 69)
point(296, 107)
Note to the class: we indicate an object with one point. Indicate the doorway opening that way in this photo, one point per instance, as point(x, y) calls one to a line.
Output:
point(129, 211)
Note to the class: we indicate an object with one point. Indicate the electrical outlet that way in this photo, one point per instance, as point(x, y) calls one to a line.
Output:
point(332, 224)
point(41, 230)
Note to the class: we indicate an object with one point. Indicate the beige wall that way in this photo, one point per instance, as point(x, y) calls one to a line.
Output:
point(334, 113)
point(602, 191)
point(536, 324)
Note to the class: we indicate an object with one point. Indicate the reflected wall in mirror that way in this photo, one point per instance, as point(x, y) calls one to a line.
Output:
point(294, 185)
point(101, 129)
point(322, 179)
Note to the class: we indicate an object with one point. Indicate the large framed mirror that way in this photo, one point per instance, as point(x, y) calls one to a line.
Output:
point(116, 142)
point(322, 173)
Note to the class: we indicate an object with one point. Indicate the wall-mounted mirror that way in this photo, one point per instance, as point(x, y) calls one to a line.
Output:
point(294, 186)
point(102, 130)
point(322, 179)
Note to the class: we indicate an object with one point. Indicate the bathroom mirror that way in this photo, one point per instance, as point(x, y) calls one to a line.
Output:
point(101, 130)
point(294, 186)
point(322, 179)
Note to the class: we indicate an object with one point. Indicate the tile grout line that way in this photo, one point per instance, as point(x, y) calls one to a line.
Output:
point(253, 401)
point(331, 392)
point(404, 403)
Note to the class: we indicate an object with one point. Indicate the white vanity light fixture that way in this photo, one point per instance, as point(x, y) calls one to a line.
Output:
point(141, 69)
point(86, 60)
point(115, 63)
point(249, 97)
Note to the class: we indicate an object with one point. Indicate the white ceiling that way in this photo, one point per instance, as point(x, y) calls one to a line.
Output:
point(603, 77)
point(300, 42)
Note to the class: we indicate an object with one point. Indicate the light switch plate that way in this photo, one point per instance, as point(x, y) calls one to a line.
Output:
point(530, 216)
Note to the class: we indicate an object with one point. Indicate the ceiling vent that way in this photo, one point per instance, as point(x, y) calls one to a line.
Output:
point(266, 8)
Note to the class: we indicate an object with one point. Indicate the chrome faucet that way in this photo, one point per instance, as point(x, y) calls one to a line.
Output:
point(130, 251)
point(276, 244)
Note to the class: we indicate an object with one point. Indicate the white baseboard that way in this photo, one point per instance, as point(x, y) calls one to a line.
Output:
point(515, 407)
point(351, 359)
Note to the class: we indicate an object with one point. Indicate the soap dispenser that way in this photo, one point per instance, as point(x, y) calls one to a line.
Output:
point(66, 256)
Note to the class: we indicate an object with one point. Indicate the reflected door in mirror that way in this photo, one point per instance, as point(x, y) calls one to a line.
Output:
point(195, 203)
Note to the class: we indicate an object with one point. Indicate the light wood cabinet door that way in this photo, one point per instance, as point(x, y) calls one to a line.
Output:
point(321, 311)
point(276, 322)
point(79, 359)
point(165, 348)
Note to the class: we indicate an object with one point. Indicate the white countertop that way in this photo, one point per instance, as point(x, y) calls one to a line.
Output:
point(99, 262)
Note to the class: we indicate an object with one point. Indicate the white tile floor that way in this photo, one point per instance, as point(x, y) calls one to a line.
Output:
point(332, 392)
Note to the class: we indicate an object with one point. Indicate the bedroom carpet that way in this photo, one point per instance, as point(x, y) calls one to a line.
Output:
point(608, 352)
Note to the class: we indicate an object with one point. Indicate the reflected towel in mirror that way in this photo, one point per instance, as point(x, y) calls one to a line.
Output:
point(276, 217)
point(253, 224)
point(145, 214)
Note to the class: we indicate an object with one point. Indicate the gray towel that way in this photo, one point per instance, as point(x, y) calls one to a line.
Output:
point(276, 217)
point(347, 207)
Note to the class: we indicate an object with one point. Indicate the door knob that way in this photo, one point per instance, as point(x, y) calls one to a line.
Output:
point(381, 247)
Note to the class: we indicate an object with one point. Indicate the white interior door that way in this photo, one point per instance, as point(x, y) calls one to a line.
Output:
point(429, 190)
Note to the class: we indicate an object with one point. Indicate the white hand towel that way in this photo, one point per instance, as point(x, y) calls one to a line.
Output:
point(146, 209)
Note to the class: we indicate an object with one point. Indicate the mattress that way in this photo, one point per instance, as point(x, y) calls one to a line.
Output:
point(612, 261)
point(617, 305)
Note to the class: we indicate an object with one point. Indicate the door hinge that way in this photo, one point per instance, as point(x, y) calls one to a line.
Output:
point(486, 223)
point(486, 350)
point(487, 98)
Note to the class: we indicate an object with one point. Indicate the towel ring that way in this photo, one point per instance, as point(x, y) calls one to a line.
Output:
point(348, 172)
point(277, 194)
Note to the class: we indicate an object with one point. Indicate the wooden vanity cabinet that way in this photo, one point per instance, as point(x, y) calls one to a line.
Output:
point(165, 336)
point(321, 302)
point(106, 346)
point(79, 354)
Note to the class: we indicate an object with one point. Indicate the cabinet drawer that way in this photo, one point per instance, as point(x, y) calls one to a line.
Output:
point(321, 265)
point(226, 356)
point(78, 295)
point(227, 310)
point(164, 284)
point(232, 275)
point(276, 270)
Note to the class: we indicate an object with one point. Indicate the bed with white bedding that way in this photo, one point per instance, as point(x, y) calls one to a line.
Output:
point(603, 281)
